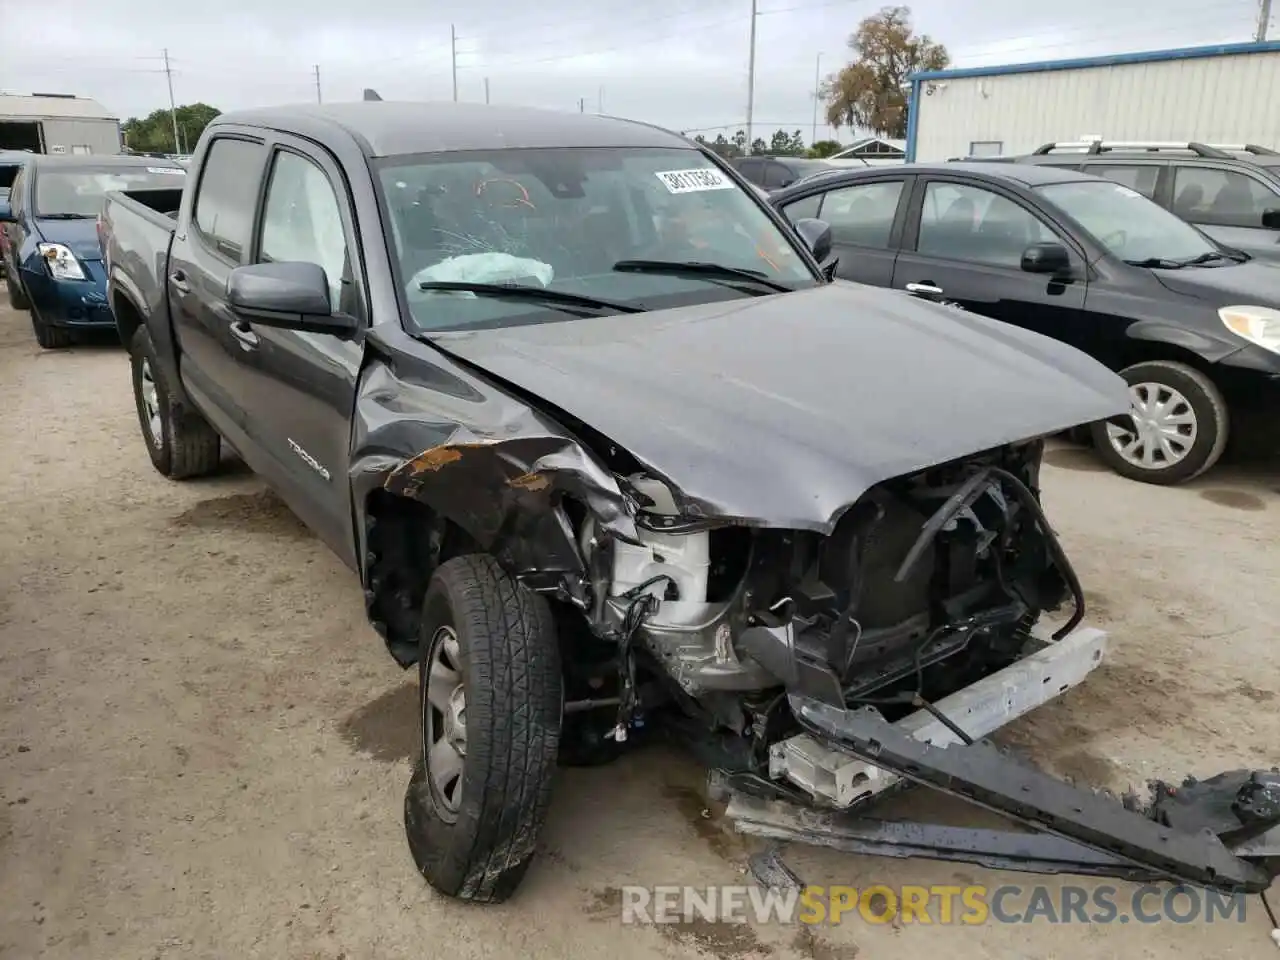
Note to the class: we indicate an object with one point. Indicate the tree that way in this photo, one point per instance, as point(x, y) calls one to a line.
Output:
point(154, 132)
point(825, 148)
point(759, 146)
point(723, 147)
point(740, 141)
point(872, 92)
point(797, 144)
point(780, 144)
point(699, 138)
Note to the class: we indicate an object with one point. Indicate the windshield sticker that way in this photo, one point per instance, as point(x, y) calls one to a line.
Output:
point(693, 181)
point(178, 170)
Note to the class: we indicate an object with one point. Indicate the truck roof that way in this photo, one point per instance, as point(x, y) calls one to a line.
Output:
point(387, 128)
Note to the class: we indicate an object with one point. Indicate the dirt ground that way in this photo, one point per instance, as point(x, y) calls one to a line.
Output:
point(204, 748)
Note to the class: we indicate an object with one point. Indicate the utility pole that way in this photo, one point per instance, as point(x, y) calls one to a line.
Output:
point(817, 90)
point(600, 100)
point(486, 90)
point(582, 105)
point(751, 77)
point(173, 108)
point(317, 69)
point(1264, 20)
point(453, 47)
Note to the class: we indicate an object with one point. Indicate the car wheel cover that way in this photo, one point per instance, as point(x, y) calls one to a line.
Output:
point(1164, 431)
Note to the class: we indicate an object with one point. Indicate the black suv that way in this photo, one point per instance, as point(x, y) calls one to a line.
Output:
point(1230, 191)
point(1193, 325)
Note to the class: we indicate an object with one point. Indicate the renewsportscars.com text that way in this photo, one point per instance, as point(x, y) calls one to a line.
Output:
point(971, 905)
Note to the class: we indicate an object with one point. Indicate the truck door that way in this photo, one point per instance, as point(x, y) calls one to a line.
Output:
point(212, 240)
point(298, 388)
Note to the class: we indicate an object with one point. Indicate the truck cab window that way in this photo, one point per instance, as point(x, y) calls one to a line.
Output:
point(228, 194)
point(302, 221)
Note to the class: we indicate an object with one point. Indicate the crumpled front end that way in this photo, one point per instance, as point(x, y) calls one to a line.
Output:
point(925, 581)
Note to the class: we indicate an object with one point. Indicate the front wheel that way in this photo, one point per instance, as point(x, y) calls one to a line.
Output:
point(48, 336)
point(489, 676)
point(17, 299)
point(1179, 430)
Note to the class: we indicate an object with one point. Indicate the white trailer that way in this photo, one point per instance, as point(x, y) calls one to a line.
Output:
point(1220, 94)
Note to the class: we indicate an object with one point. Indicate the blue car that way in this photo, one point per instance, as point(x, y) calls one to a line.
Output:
point(50, 243)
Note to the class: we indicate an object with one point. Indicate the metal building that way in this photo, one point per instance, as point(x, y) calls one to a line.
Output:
point(57, 123)
point(1221, 94)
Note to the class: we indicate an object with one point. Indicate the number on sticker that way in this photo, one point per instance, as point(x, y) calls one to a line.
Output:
point(692, 181)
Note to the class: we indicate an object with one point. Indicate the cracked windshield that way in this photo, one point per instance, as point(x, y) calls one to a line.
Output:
point(640, 229)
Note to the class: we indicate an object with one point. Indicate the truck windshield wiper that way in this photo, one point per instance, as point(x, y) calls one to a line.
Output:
point(695, 268)
point(1162, 263)
point(519, 291)
point(1210, 257)
point(66, 216)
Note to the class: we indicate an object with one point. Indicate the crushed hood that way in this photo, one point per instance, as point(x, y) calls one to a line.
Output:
point(785, 409)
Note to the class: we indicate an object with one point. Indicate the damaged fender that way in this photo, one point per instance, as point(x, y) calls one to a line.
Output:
point(504, 485)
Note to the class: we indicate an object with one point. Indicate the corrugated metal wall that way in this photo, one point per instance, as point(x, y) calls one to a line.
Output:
point(72, 136)
point(1226, 99)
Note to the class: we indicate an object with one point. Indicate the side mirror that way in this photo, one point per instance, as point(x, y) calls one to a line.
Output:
point(294, 296)
point(1049, 258)
point(816, 235)
point(6, 213)
point(1270, 219)
point(787, 182)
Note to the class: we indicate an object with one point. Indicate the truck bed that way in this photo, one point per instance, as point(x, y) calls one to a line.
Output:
point(164, 201)
point(136, 229)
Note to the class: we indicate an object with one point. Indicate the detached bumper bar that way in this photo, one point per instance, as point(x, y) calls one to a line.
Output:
point(843, 780)
point(1221, 833)
point(1192, 852)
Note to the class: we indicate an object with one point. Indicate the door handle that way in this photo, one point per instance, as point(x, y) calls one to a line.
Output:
point(244, 334)
point(178, 280)
point(926, 288)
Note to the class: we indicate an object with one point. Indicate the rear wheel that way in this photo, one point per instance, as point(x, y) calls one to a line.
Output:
point(489, 674)
point(1179, 430)
point(179, 440)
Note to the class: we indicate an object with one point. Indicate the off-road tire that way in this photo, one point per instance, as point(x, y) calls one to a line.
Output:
point(187, 446)
point(510, 664)
point(16, 298)
point(1212, 423)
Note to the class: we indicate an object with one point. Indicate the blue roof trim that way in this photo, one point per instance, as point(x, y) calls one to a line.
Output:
point(1081, 63)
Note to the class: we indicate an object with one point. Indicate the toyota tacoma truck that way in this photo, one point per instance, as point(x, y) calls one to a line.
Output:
point(613, 459)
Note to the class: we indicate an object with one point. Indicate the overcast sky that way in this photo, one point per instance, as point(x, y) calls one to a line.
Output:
point(678, 63)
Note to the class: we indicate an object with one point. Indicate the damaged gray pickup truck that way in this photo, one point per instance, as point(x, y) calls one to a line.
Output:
point(614, 460)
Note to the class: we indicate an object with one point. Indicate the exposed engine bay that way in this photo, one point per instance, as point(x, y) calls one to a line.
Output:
point(925, 584)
